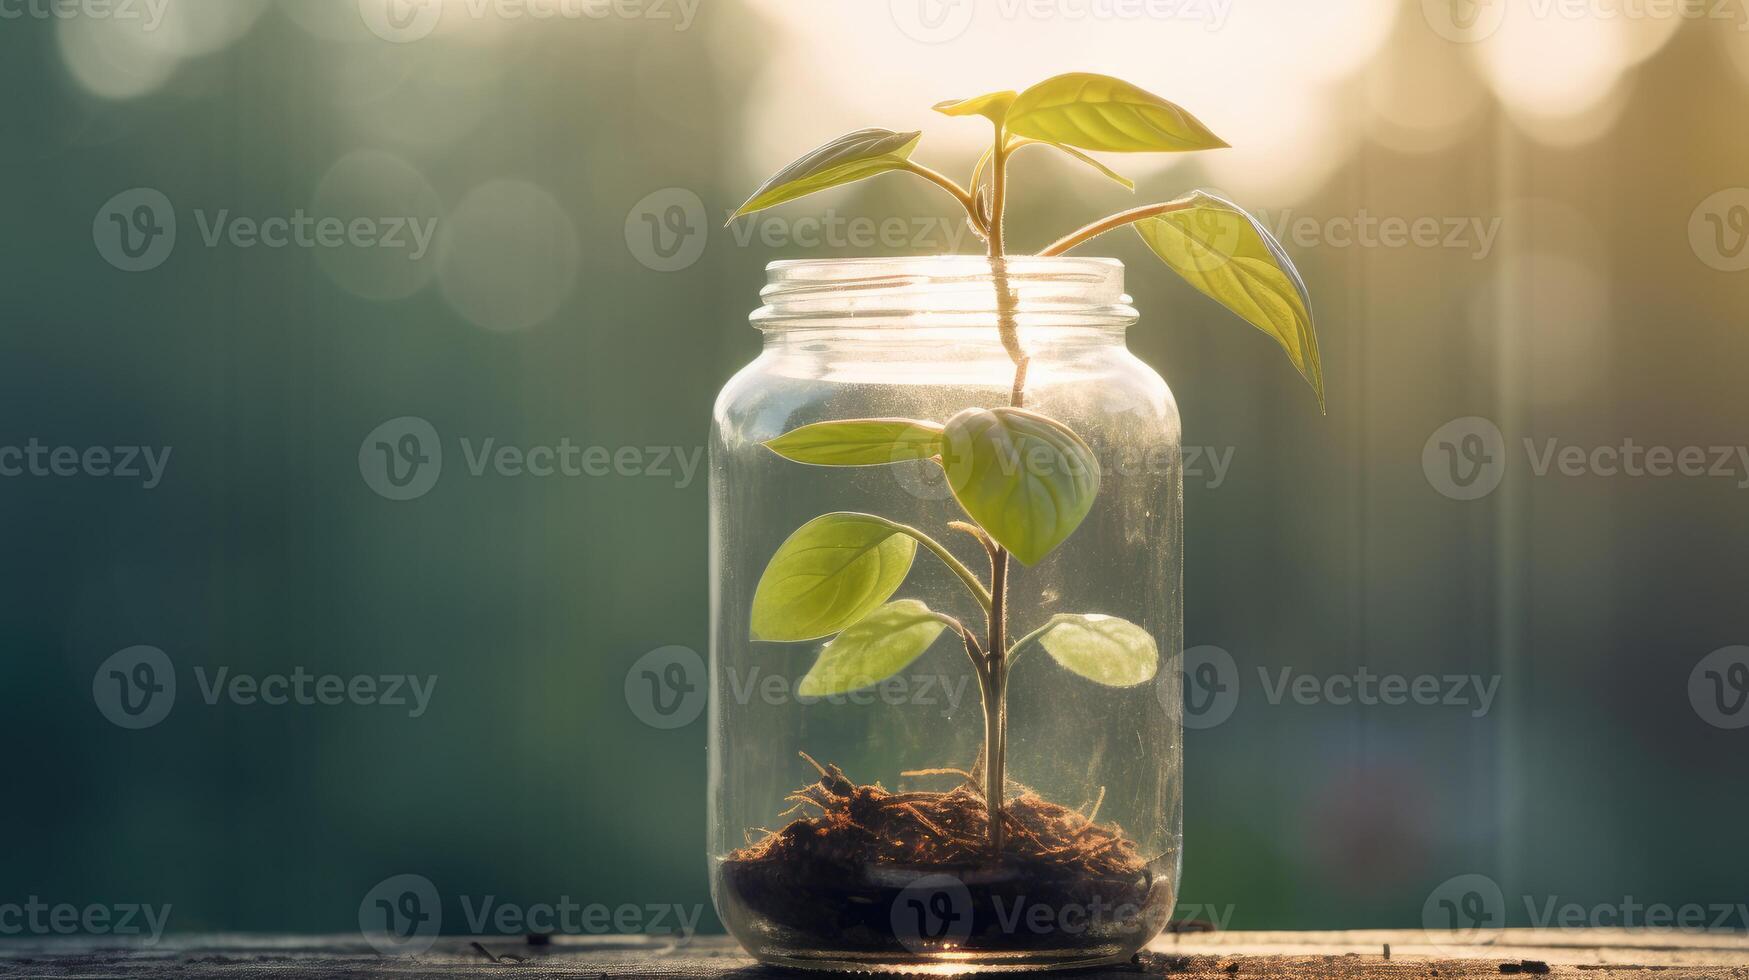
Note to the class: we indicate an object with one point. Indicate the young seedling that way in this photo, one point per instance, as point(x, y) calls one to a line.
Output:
point(833, 578)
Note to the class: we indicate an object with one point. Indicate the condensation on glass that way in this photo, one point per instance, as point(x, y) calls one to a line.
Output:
point(918, 338)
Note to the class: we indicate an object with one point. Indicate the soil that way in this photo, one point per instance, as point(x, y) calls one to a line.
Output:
point(857, 872)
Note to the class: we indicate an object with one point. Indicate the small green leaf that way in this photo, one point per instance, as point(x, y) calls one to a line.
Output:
point(831, 572)
point(993, 106)
point(848, 158)
point(1027, 479)
point(1230, 256)
point(1128, 184)
point(859, 442)
point(1098, 112)
point(1104, 649)
point(873, 649)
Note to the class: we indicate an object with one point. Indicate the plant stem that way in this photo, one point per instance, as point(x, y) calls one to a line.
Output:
point(1103, 225)
point(954, 564)
point(960, 193)
point(996, 682)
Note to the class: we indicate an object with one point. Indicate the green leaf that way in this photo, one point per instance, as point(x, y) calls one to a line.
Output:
point(1104, 649)
point(859, 442)
point(848, 158)
point(873, 649)
point(1027, 479)
point(1230, 256)
point(831, 572)
point(1127, 183)
point(1098, 112)
point(993, 106)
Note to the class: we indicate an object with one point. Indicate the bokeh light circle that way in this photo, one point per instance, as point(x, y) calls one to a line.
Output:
point(383, 189)
point(509, 255)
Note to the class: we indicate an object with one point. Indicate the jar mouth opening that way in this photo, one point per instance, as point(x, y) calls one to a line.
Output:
point(943, 291)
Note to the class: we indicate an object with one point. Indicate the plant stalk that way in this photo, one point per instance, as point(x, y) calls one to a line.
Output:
point(1083, 234)
point(996, 675)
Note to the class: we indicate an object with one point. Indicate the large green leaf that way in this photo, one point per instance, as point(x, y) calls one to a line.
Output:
point(831, 572)
point(993, 106)
point(1230, 256)
point(1098, 112)
point(859, 442)
point(873, 649)
point(848, 158)
point(1110, 174)
point(1027, 479)
point(1104, 649)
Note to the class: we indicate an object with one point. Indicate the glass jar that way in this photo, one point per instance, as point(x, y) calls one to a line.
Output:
point(849, 831)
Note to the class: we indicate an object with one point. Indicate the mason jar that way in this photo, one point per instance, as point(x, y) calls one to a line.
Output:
point(849, 830)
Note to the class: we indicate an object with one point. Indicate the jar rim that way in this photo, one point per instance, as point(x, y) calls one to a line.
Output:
point(942, 290)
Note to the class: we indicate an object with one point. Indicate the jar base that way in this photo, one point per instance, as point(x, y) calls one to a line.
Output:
point(1030, 961)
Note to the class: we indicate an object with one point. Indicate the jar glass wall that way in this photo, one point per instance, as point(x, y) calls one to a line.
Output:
point(836, 836)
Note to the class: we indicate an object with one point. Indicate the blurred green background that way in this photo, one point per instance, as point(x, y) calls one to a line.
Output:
point(1583, 166)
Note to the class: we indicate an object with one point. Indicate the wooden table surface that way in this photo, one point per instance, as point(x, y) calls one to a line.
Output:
point(1600, 954)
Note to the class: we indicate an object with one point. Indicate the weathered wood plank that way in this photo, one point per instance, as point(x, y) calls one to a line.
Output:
point(1592, 954)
